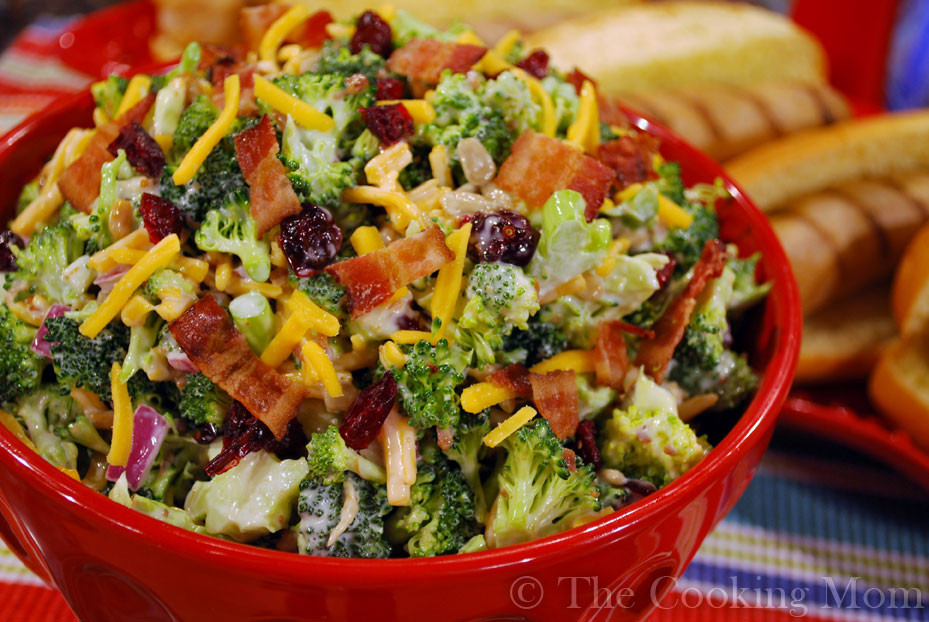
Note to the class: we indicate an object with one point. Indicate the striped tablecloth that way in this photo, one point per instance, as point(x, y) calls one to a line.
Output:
point(821, 533)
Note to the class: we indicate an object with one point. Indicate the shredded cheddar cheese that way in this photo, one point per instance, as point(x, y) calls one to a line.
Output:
point(421, 110)
point(121, 444)
point(102, 261)
point(192, 268)
point(549, 122)
point(237, 287)
point(581, 361)
point(10, 423)
point(514, 422)
point(448, 283)
point(223, 274)
point(278, 31)
point(316, 359)
point(165, 141)
point(469, 37)
point(672, 214)
point(617, 248)
point(399, 208)
point(392, 355)
point(383, 169)
point(100, 117)
point(304, 315)
point(38, 211)
point(158, 257)
point(506, 43)
point(302, 113)
point(410, 337)
point(321, 321)
point(481, 395)
point(585, 131)
point(628, 193)
point(398, 439)
point(136, 311)
point(191, 163)
point(438, 162)
point(135, 91)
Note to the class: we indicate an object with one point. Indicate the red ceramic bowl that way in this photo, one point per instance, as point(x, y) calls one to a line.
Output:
point(112, 563)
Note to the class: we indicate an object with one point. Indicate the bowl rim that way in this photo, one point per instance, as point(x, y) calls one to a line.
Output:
point(759, 417)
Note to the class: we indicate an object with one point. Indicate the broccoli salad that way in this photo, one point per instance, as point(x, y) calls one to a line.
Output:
point(368, 289)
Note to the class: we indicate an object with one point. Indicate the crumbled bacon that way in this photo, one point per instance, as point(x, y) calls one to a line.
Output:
point(389, 88)
point(209, 338)
point(577, 78)
point(425, 59)
point(389, 123)
point(570, 459)
point(539, 165)
point(514, 378)
point(555, 397)
point(610, 355)
point(243, 434)
point(655, 354)
point(80, 182)
point(372, 279)
point(160, 217)
point(272, 197)
point(536, 64)
point(356, 83)
point(586, 444)
point(142, 152)
point(630, 157)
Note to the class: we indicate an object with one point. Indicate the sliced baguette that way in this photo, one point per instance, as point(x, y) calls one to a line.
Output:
point(899, 386)
point(781, 171)
point(844, 340)
point(673, 44)
point(911, 287)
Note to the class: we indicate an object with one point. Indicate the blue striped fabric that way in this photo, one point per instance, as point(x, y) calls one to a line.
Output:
point(824, 530)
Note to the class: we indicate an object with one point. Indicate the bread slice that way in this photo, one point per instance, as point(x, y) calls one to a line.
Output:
point(780, 171)
point(844, 340)
point(911, 287)
point(674, 44)
point(899, 386)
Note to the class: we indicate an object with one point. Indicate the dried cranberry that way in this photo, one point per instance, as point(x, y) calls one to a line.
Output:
point(664, 275)
point(389, 88)
point(373, 31)
point(356, 83)
point(243, 434)
point(142, 152)
point(536, 64)
point(389, 123)
point(368, 412)
point(160, 216)
point(7, 259)
point(310, 239)
point(502, 236)
point(205, 435)
point(586, 441)
point(577, 78)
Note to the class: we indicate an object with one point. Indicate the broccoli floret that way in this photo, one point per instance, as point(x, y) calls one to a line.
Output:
point(108, 94)
point(501, 298)
point(541, 340)
point(203, 402)
point(592, 400)
point(686, 245)
point(466, 450)
point(141, 341)
point(732, 379)
point(324, 290)
point(539, 496)
point(427, 384)
point(652, 445)
point(440, 517)
point(418, 171)
point(564, 97)
point(173, 290)
point(43, 412)
point(194, 121)
point(44, 264)
point(82, 362)
point(405, 27)
point(320, 507)
point(28, 194)
point(746, 291)
point(670, 183)
point(231, 229)
point(20, 367)
point(337, 59)
point(329, 458)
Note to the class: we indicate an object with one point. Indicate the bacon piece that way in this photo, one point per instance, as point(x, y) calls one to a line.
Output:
point(611, 361)
point(272, 196)
point(555, 397)
point(631, 158)
point(514, 378)
point(425, 59)
point(80, 182)
point(655, 354)
point(210, 339)
point(372, 279)
point(225, 67)
point(539, 165)
point(577, 78)
point(632, 329)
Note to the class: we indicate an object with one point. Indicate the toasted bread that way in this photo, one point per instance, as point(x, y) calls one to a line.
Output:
point(844, 340)
point(899, 386)
point(781, 171)
point(911, 287)
point(675, 44)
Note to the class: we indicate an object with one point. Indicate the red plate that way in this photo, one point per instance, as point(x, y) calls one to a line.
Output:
point(112, 40)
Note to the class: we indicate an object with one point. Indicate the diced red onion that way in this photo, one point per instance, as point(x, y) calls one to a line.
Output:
point(181, 362)
point(41, 345)
point(148, 433)
point(108, 280)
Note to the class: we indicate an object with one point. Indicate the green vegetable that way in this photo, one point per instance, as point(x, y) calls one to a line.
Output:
point(252, 499)
point(42, 412)
point(48, 265)
point(632, 281)
point(320, 508)
point(20, 367)
point(592, 399)
point(83, 432)
point(686, 245)
point(253, 317)
point(324, 290)
point(165, 513)
point(565, 99)
point(336, 59)
point(427, 383)
point(82, 362)
point(108, 94)
point(203, 402)
point(569, 245)
point(746, 291)
point(541, 340)
point(189, 62)
point(231, 229)
point(405, 27)
point(329, 458)
point(467, 448)
point(169, 104)
point(28, 194)
point(141, 341)
point(539, 496)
